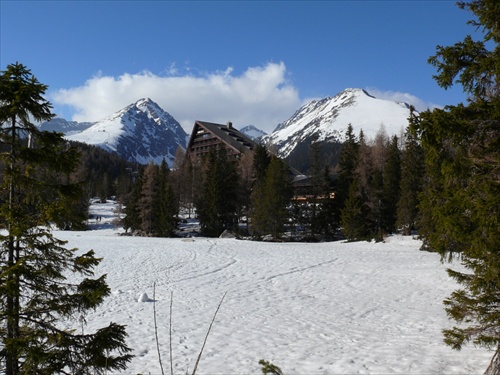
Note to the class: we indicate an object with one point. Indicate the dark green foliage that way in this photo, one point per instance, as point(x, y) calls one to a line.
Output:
point(372, 174)
point(322, 211)
point(328, 216)
point(412, 172)
point(348, 163)
point(269, 368)
point(132, 219)
point(271, 199)
point(460, 210)
point(218, 204)
point(34, 292)
point(391, 187)
point(261, 160)
point(354, 215)
point(358, 204)
point(166, 204)
point(460, 202)
point(470, 62)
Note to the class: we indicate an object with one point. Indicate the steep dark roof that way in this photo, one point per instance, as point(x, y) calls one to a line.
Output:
point(227, 134)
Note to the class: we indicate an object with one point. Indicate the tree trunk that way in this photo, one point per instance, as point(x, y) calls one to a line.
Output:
point(12, 365)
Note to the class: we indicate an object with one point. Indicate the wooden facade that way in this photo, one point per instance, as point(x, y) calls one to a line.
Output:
point(207, 134)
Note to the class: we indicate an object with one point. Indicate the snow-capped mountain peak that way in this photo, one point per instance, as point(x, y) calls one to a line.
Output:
point(327, 119)
point(252, 132)
point(141, 132)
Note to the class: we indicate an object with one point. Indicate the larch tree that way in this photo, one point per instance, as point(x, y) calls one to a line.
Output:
point(165, 203)
point(147, 204)
point(364, 194)
point(35, 294)
point(460, 203)
point(375, 195)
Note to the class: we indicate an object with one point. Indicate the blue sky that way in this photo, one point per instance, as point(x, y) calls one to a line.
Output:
point(251, 62)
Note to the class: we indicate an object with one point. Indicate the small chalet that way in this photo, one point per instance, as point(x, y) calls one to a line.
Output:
point(208, 134)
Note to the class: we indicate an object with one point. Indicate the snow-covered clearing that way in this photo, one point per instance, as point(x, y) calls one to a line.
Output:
point(323, 308)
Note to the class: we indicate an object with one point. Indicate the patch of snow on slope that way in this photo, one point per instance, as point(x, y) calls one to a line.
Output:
point(106, 132)
point(328, 119)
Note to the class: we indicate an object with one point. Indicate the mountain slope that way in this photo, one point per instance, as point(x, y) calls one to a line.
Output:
point(141, 132)
point(327, 119)
point(61, 125)
point(252, 132)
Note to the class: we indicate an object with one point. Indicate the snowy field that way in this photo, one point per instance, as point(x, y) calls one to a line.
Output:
point(323, 308)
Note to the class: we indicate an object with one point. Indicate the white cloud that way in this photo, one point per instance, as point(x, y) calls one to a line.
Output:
point(419, 104)
point(261, 96)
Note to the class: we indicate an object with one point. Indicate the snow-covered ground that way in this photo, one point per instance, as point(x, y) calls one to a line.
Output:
point(322, 308)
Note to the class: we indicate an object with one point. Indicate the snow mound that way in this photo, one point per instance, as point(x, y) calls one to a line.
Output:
point(144, 298)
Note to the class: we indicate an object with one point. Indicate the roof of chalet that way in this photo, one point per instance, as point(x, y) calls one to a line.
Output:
point(228, 134)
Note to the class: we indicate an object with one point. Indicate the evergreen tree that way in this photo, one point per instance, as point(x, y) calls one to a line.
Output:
point(412, 171)
point(261, 160)
point(34, 292)
point(217, 206)
point(460, 202)
point(132, 218)
point(348, 161)
point(164, 204)
point(391, 187)
point(271, 200)
point(354, 215)
point(328, 219)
